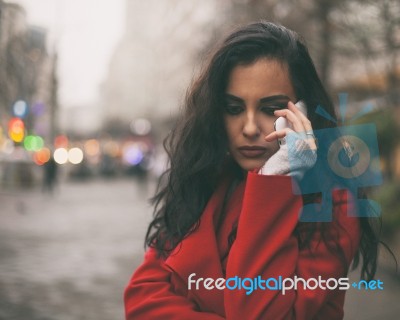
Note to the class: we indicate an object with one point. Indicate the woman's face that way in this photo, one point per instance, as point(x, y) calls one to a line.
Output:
point(253, 93)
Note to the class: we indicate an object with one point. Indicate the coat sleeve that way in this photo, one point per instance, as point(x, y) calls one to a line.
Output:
point(267, 246)
point(150, 295)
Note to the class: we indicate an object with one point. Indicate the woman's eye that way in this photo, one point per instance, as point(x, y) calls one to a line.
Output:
point(232, 109)
point(271, 109)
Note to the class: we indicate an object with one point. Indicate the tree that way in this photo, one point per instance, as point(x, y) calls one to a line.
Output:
point(370, 30)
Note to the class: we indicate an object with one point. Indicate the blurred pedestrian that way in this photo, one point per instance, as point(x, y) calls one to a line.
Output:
point(49, 175)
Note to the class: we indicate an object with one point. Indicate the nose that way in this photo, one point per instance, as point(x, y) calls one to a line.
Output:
point(251, 128)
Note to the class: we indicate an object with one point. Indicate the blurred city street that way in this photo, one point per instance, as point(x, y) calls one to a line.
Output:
point(69, 256)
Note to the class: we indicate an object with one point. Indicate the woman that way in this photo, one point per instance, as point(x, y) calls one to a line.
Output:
point(226, 209)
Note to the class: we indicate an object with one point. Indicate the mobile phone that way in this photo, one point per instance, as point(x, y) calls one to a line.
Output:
point(282, 122)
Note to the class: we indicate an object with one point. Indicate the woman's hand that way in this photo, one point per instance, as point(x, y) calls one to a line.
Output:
point(303, 156)
point(299, 122)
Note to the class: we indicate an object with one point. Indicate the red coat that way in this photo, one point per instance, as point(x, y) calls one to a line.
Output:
point(265, 245)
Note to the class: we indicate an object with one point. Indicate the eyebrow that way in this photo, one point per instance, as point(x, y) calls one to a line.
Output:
point(278, 97)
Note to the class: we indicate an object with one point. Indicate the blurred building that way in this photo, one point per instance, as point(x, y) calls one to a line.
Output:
point(28, 96)
point(12, 26)
point(153, 63)
point(27, 74)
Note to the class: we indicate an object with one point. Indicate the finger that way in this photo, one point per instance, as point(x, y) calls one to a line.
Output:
point(304, 120)
point(292, 118)
point(310, 138)
point(313, 145)
point(311, 141)
point(280, 134)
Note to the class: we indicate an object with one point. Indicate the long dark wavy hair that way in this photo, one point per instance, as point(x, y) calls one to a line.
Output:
point(197, 145)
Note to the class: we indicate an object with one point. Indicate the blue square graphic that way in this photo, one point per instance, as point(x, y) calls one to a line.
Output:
point(347, 158)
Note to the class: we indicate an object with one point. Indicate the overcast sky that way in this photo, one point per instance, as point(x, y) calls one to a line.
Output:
point(84, 32)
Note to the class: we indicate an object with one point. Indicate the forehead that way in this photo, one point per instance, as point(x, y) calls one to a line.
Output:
point(264, 77)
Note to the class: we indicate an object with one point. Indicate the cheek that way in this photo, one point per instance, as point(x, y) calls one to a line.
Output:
point(231, 129)
point(267, 125)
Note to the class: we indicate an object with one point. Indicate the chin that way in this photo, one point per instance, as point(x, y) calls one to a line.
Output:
point(250, 164)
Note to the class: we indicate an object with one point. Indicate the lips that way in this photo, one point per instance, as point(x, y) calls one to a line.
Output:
point(252, 151)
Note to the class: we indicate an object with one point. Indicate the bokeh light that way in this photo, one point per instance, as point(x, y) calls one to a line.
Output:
point(75, 155)
point(42, 156)
point(111, 148)
point(140, 126)
point(8, 146)
point(38, 108)
point(61, 155)
point(16, 129)
point(92, 147)
point(132, 154)
point(20, 109)
point(61, 141)
point(33, 143)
